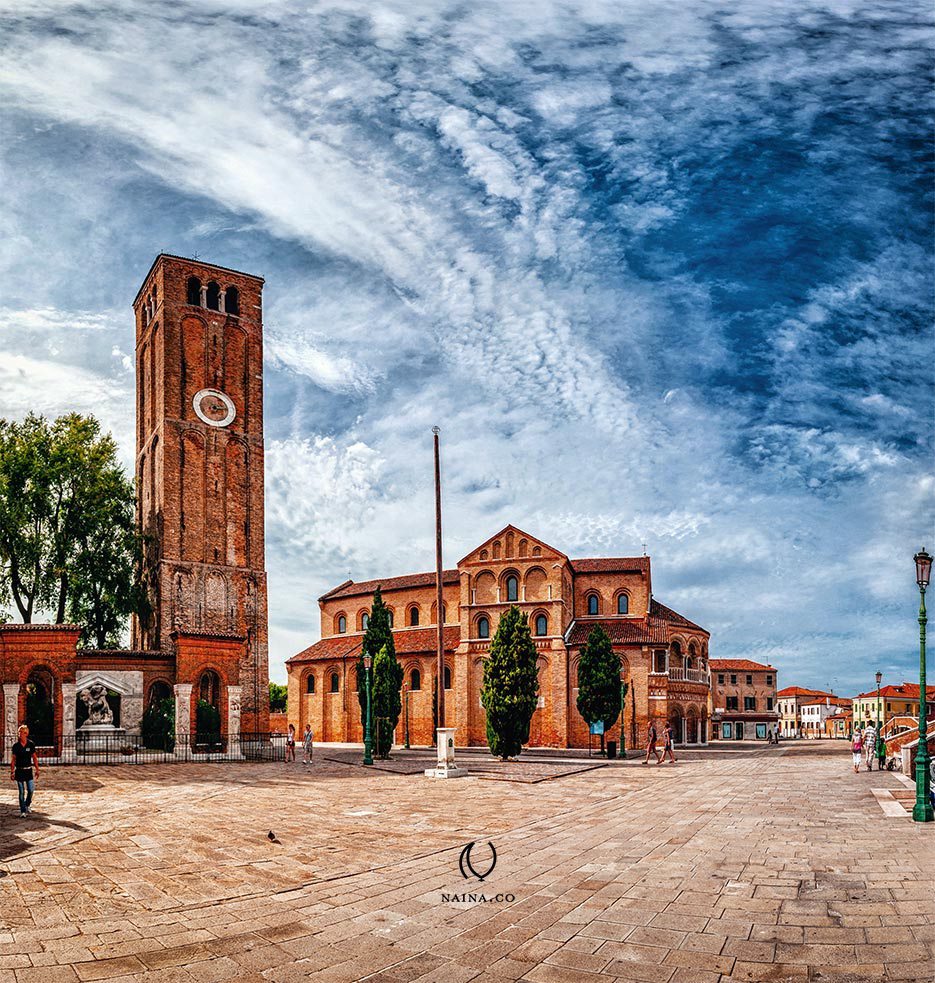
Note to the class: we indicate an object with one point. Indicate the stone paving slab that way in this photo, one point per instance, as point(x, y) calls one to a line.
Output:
point(747, 867)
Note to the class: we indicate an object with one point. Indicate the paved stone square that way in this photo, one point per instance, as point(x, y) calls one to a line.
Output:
point(756, 864)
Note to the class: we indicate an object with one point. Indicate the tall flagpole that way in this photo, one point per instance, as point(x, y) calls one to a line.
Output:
point(439, 603)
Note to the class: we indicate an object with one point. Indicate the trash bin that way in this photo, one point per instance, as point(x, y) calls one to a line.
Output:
point(611, 750)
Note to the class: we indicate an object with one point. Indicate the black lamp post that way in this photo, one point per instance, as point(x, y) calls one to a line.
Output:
point(922, 811)
point(368, 733)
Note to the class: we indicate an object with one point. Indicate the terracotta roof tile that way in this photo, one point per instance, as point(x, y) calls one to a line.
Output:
point(408, 641)
point(351, 588)
point(903, 691)
point(738, 665)
point(802, 691)
point(652, 630)
point(611, 564)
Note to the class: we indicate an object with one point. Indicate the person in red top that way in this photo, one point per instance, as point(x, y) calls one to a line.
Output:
point(24, 769)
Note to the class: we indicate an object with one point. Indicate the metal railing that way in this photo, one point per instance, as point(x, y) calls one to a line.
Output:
point(689, 675)
point(119, 749)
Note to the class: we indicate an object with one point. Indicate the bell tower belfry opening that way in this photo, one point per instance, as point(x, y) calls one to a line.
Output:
point(199, 464)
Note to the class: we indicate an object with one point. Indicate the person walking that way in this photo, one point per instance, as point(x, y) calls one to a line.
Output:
point(290, 744)
point(307, 745)
point(857, 745)
point(651, 738)
point(869, 744)
point(667, 735)
point(24, 770)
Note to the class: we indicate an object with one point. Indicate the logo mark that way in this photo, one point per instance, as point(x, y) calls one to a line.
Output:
point(465, 861)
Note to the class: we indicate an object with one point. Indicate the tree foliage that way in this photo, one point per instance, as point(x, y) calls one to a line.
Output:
point(68, 542)
point(510, 689)
point(387, 702)
point(207, 723)
point(278, 697)
point(378, 634)
point(599, 680)
point(157, 728)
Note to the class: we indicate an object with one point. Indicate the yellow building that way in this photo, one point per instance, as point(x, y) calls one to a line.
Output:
point(894, 701)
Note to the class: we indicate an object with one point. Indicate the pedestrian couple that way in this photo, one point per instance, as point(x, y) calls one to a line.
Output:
point(307, 744)
point(24, 770)
point(868, 745)
point(667, 739)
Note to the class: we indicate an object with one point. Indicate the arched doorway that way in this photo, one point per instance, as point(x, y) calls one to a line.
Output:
point(40, 707)
point(208, 709)
point(678, 724)
point(691, 726)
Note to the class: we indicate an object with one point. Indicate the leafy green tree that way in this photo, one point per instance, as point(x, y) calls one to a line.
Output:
point(278, 696)
point(599, 681)
point(68, 543)
point(158, 725)
point(387, 702)
point(510, 689)
point(207, 723)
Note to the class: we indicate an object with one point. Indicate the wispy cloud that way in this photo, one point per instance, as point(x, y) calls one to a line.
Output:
point(662, 272)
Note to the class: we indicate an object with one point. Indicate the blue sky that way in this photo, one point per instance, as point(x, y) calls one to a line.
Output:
point(662, 272)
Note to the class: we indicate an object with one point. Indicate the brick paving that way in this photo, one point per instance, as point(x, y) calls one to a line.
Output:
point(778, 866)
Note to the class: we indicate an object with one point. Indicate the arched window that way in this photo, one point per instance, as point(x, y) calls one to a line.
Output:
point(209, 689)
point(444, 614)
point(593, 604)
point(447, 677)
point(342, 625)
point(214, 296)
point(415, 680)
point(40, 707)
point(390, 616)
point(512, 588)
point(483, 627)
point(309, 683)
point(194, 291)
point(232, 300)
point(158, 692)
point(542, 624)
point(623, 604)
point(413, 616)
point(365, 621)
point(335, 682)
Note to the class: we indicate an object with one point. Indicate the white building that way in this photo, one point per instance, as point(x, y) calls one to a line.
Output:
point(814, 715)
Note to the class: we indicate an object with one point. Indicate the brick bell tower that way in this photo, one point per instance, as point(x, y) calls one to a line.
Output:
point(199, 463)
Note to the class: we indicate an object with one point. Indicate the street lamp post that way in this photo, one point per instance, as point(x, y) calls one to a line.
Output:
point(922, 811)
point(622, 750)
point(406, 708)
point(368, 732)
point(876, 751)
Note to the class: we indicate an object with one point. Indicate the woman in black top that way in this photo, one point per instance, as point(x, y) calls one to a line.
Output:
point(24, 769)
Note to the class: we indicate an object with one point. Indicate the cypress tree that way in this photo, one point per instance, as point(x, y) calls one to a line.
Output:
point(511, 685)
point(599, 681)
point(379, 636)
point(387, 702)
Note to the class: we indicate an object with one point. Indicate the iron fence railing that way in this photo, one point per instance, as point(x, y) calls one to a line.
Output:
point(118, 749)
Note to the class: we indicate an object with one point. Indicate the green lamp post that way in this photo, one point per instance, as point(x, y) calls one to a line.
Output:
point(876, 750)
point(368, 731)
point(922, 811)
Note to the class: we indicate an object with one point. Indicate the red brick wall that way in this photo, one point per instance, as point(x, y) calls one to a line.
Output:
point(200, 488)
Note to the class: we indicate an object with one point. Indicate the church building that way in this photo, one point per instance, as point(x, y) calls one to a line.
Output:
point(663, 655)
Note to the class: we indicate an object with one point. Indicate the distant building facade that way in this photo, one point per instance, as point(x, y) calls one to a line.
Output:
point(663, 655)
point(743, 699)
point(814, 716)
point(894, 701)
point(791, 699)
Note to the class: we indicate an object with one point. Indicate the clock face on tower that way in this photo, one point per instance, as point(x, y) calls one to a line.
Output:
point(214, 407)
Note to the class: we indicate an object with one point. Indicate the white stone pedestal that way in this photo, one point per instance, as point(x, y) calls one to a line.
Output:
point(445, 767)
